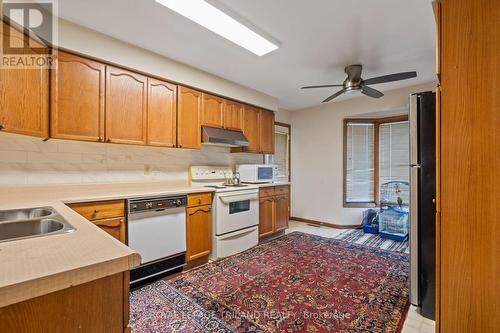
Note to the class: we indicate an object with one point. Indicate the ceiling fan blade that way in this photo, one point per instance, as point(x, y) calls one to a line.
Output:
point(371, 92)
point(323, 86)
point(353, 73)
point(391, 77)
point(338, 93)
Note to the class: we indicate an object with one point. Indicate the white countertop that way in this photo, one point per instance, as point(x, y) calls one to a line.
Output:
point(272, 184)
point(41, 265)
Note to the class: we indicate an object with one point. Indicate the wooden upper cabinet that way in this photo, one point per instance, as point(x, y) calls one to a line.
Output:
point(24, 98)
point(212, 111)
point(188, 118)
point(233, 115)
point(266, 132)
point(251, 125)
point(77, 98)
point(162, 113)
point(126, 102)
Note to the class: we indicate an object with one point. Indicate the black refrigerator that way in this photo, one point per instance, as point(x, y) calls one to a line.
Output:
point(422, 117)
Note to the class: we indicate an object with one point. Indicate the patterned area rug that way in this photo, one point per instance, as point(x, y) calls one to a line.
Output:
point(359, 237)
point(296, 283)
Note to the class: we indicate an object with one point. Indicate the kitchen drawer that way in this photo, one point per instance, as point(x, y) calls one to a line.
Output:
point(199, 199)
point(100, 209)
point(278, 190)
point(266, 191)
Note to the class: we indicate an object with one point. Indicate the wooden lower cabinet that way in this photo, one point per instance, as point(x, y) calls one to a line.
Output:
point(198, 226)
point(273, 210)
point(281, 212)
point(107, 215)
point(115, 227)
point(266, 216)
point(97, 306)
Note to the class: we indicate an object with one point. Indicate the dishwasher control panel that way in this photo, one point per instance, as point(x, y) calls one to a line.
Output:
point(148, 204)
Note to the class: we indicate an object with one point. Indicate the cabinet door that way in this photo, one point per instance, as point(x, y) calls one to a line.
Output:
point(266, 217)
point(281, 207)
point(24, 96)
point(77, 98)
point(115, 227)
point(162, 113)
point(212, 111)
point(251, 124)
point(266, 132)
point(125, 106)
point(199, 232)
point(188, 118)
point(233, 115)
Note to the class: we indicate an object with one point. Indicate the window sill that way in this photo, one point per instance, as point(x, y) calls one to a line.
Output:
point(360, 205)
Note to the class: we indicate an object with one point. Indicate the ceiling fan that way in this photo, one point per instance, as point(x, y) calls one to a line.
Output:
point(355, 82)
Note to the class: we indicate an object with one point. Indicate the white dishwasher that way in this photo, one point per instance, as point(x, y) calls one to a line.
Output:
point(157, 231)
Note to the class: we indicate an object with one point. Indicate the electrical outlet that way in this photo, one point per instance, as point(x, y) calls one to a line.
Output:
point(147, 169)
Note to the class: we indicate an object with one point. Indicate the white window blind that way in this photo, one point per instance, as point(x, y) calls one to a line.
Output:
point(360, 163)
point(394, 152)
point(280, 158)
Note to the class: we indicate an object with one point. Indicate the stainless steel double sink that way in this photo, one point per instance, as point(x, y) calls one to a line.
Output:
point(18, 224)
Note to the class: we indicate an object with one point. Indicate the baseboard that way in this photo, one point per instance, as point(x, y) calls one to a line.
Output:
point(326, 224)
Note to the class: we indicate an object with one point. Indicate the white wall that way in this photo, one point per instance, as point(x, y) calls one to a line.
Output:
point(283, 116)
point(317, 146)
point(77, 38)
point(27, 161)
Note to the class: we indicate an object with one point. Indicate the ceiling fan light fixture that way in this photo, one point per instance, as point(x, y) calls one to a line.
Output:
point(219, 22)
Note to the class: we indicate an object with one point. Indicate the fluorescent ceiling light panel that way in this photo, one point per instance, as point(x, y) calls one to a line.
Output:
point(222, 24)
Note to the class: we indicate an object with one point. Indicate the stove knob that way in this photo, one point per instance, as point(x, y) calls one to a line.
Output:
point(178, 202)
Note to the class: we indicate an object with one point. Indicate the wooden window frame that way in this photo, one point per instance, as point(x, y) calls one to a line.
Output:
point(376, 157)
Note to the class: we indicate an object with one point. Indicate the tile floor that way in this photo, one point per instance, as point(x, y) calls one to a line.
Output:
point(414, 322)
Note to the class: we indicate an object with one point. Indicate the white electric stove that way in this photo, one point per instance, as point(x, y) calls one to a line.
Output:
point(235, 211)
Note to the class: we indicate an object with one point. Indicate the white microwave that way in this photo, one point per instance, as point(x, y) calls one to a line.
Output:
point(257, 173)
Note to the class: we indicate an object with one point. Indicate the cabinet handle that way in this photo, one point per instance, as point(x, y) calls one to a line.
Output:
point(108, 140)
point(206, 210)
point(2, 127)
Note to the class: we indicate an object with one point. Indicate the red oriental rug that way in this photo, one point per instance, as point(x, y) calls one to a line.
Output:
point(296, 283)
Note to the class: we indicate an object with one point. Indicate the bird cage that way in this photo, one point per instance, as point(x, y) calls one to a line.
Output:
point(395, 194)
point(394, 224)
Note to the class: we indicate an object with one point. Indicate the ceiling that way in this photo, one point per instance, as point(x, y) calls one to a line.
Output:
point(318, 39)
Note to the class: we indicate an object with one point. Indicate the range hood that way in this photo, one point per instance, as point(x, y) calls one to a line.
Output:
point(222, 137)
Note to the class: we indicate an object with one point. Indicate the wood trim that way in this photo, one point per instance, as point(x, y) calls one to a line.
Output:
point(438, 209)
point(326, 224)
point(376, 158)
point(126, 304)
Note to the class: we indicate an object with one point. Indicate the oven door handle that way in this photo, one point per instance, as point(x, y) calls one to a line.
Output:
point(237, 234)
point(237, 198)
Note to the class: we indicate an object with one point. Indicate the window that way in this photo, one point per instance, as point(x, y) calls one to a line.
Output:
point(376, 151)
point(359, 168)
point(281, 155)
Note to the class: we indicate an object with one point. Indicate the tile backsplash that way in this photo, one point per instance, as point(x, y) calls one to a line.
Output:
point(25, 160)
